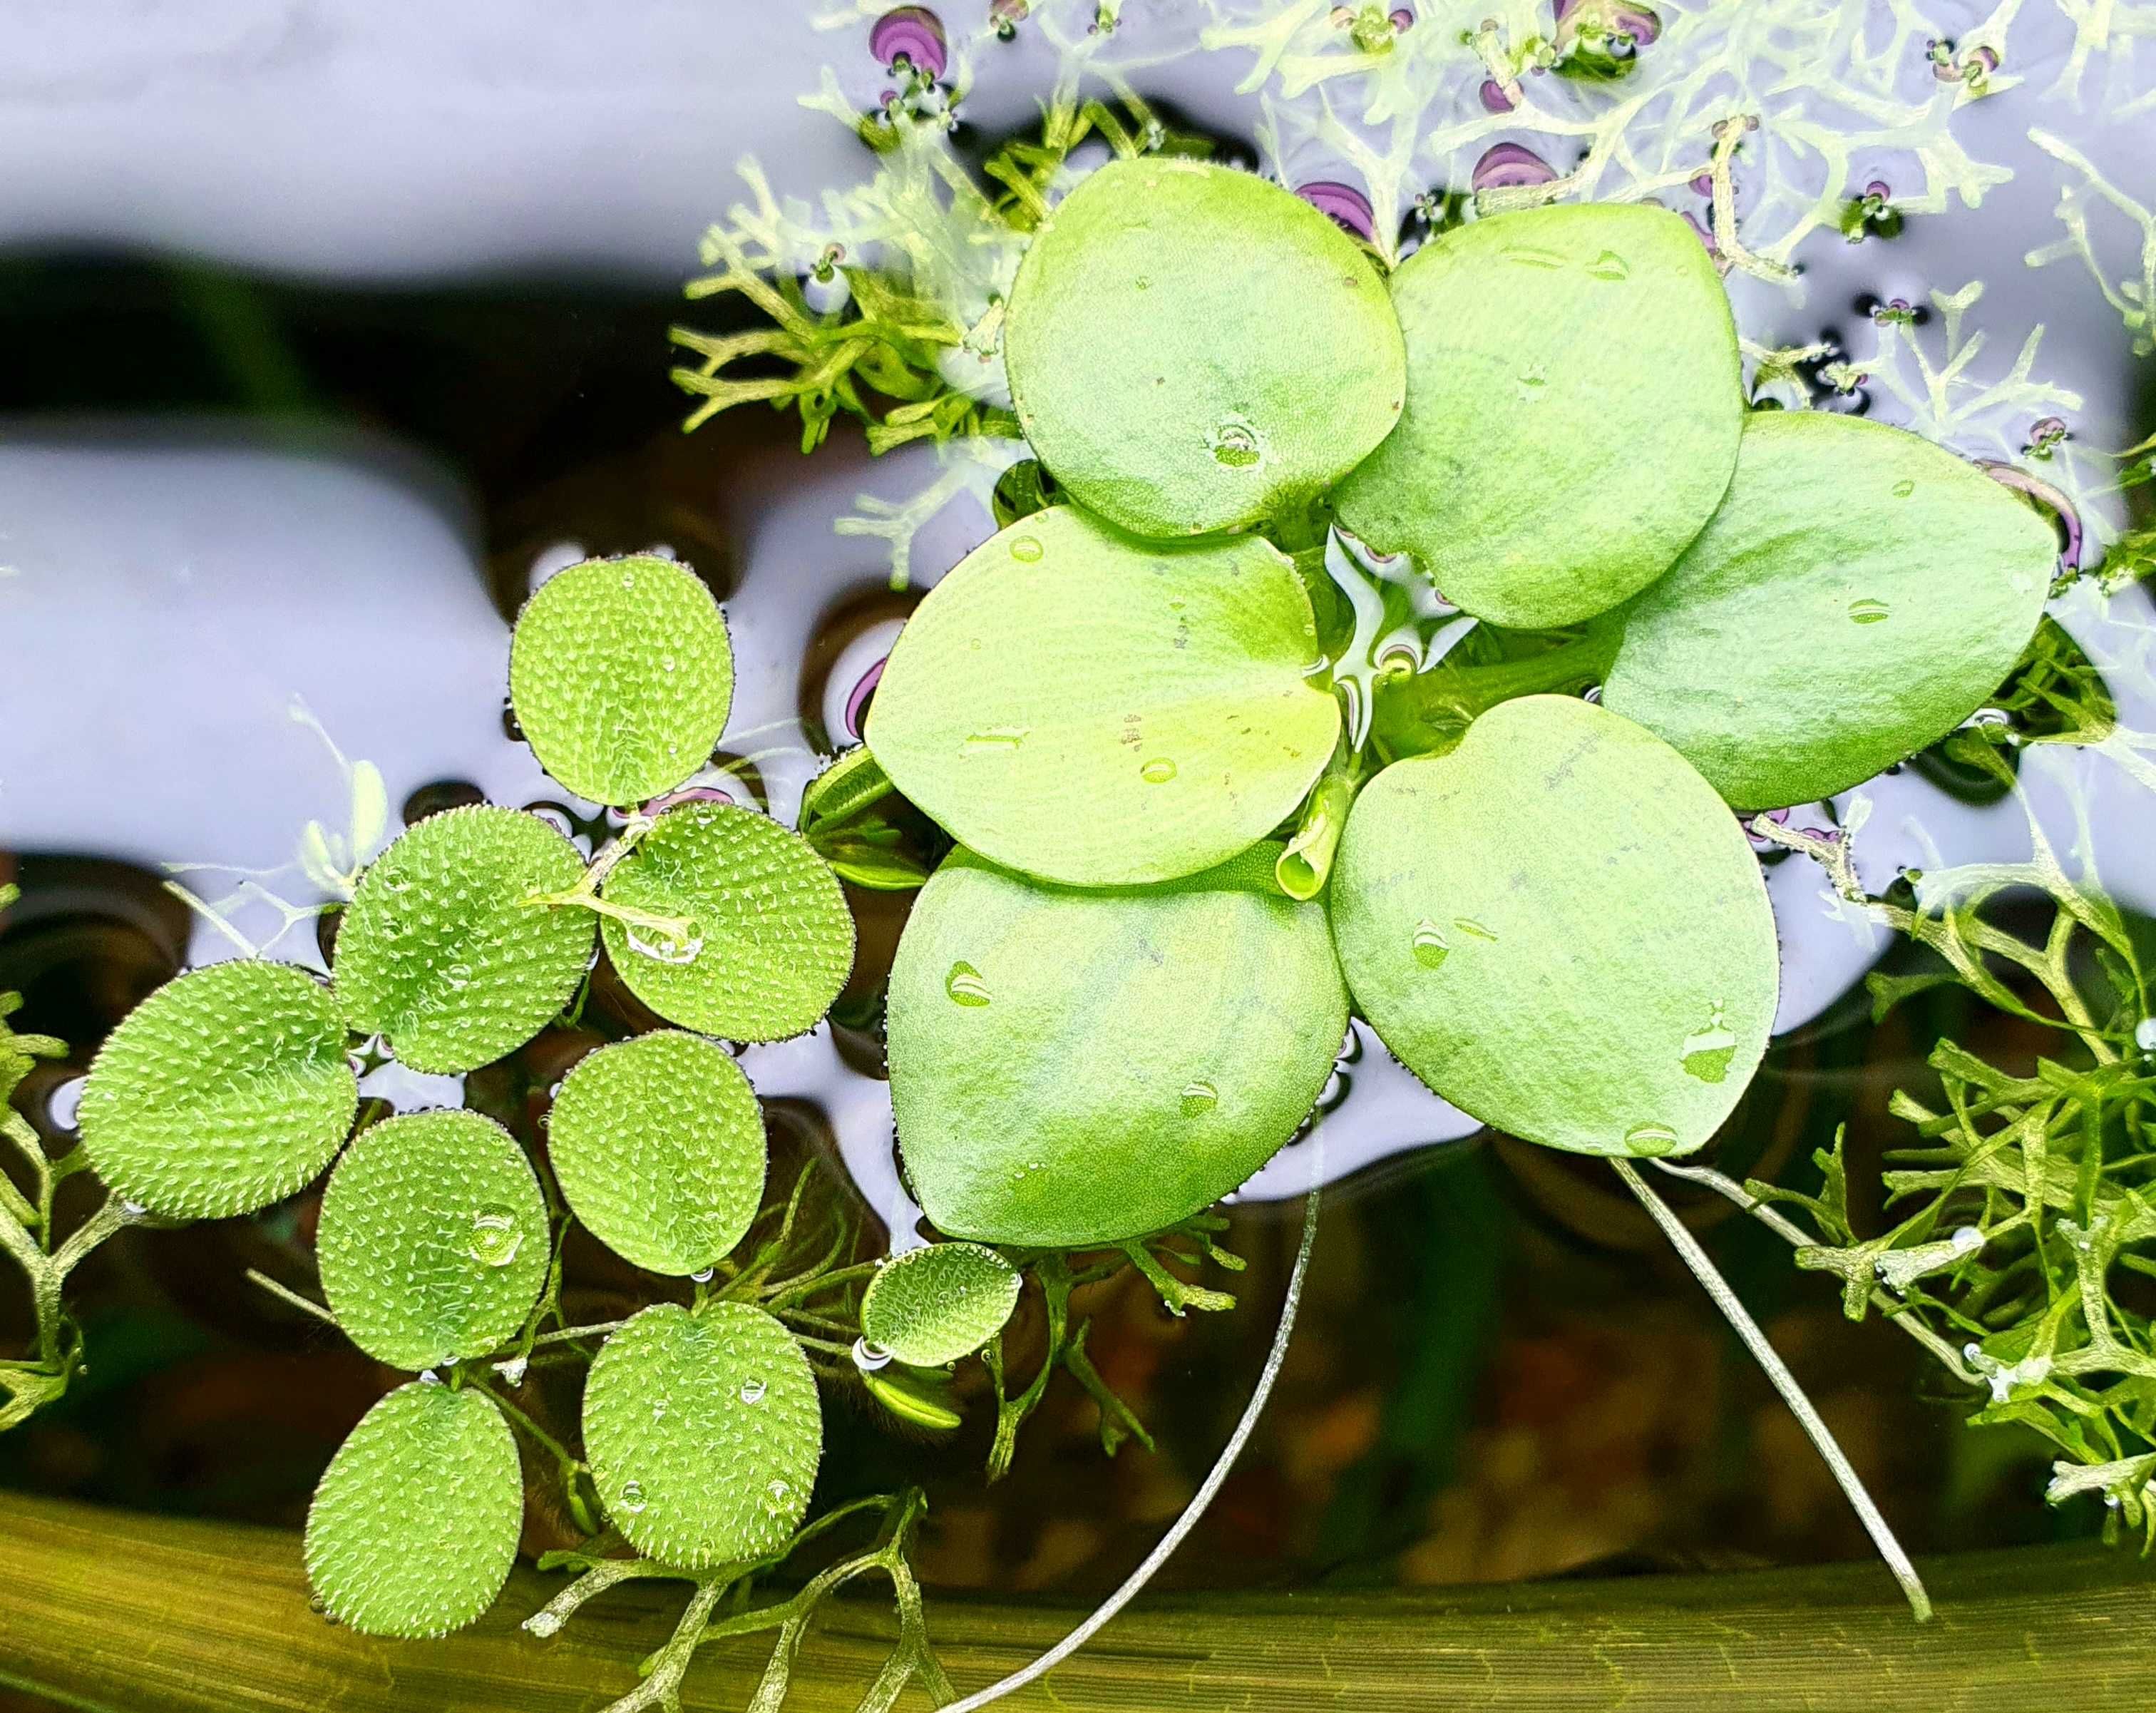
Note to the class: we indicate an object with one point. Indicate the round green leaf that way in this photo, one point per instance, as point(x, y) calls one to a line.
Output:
point(934, 1305)
point(621, 676)
point(1860, 593)
point(414, 1526)
point(440, 954)
point(771, 939)
point(223, 1092)
point(703, 1432)
point(1191, 348)
point(434, 1241)
point(1561, 929)
point(1574, 405)
point(1100, 711)
point(657, 1144)
point(1070, 1069)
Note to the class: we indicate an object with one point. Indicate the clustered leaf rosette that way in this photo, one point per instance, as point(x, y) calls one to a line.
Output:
point(234, 1086)
point(1125, 988)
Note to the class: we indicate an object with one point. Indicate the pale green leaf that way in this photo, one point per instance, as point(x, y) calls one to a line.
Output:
point(1574, 405)
point(1070, 1068)
point(1860, 593)
point(433, 1239)
point(703, 1430)
point(1561, 929)
point(223, 1092)
point(1093, 709)
point(770, 940)
point(440, 952)
point(933, 1305)
point(657, 1144)
point(414, 1526)
point(1192, 348)
point(621, 676)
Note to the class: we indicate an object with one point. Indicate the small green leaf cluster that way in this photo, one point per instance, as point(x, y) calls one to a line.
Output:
point(440, 1240)
point(1200, 813)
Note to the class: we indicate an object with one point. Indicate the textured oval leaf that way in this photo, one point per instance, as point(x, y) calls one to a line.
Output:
point(1561, 929)
point(1860, 593)
point(703, 1432)
point(434, 1241)
point(1100, 711)
point(440, 954)
point(1573, 406)
point(622, 676)
point(657, 1144)
point(1191, 348)
point(1070, 1069)
point(771, 940)
point(223, 1092)
point(933, 1305)
point(414, 1526)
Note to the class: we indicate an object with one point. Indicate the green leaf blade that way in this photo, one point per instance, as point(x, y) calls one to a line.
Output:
point(441, 955)
point(621, 676)
point(1561, 929)
point(413, 1528)
point(1191, 348)
point(224, 1091)
point(657, 1144)
point(1860, 593)
point(773, 940)
point(704, 1431)
point(1071, 1068)
point(1573, 406)
point(433, 1241)
point(1099, 711)
point(933, 1305)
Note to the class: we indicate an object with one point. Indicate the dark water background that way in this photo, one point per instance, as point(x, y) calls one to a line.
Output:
point(1501, 1371)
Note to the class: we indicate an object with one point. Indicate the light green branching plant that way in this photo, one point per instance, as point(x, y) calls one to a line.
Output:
point(28, 1232)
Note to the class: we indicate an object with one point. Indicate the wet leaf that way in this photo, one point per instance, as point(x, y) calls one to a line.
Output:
point(1099, 711)
point(413, 1528)
point(933, 1305)
point(622, 676)
point(657, 1144)
point(771, 940)
point(704, 1431)
point(1860, 593)
point(441, 955)
point(1573, 406)
point(223, 1092)
point(1192, 348)
point(433, 1239)
point(1071, 1068)
point(1561, 929)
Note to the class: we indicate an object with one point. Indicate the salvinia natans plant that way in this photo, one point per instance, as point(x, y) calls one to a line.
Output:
point(1207, 797)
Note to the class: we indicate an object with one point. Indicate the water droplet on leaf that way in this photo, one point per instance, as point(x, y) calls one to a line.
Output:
point(868, 1357)
point(632, 1498)
point(495, 1236)
point(1428, 944)
point(1026, 547)
point(1867, 611)
point(1706, 1052)
point(1159, 771)
point(1198, 1099)
point(752, 1392)
point(1650, 1138)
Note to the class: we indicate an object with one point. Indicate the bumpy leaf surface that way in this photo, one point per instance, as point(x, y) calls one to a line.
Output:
point(621, 675)
point(1561, 929)
point(1858, 595)
point(933, 1305)
point(772, 940)
point(1191, 348)
point(434, 1241)
point(223, 1092)
point(440, 953)
point(703, 1430)
point(657, 1144)
point(1073, 1067)
point(414, 1526)
point(1093, 709)
point(1574, 407)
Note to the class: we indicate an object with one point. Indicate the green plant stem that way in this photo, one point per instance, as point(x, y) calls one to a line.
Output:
point(1426, 712)
point(1304, 866)
point(1741, 1322)
point(571, 1465)
point(284, 1293)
